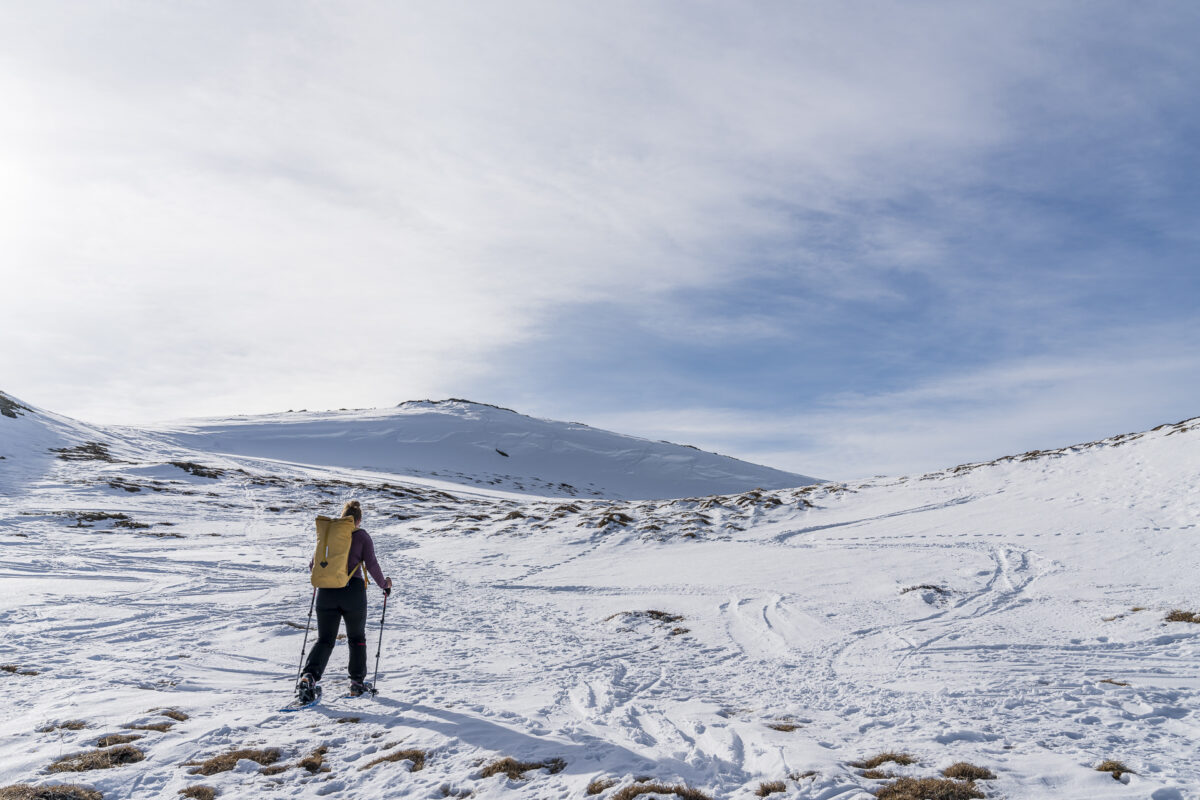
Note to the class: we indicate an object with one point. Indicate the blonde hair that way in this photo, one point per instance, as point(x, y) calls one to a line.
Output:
point(352, 508)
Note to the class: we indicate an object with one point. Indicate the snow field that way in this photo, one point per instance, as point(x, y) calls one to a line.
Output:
point(526, 636)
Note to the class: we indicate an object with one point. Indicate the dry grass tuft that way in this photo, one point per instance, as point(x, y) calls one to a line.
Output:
point(417, 757)
point(61, 791)
point(1179, 615)
point(16, 669)
point(178, 716)
point(968, 772)
point(770, 787)
point(118, 738)
point(227, 761)
point(799, 776)
point(160, 727)
point(903, 759)
point(274, 770)
point(344, 720)
point(877, 774)
point(786, 727)
point(314, 762)
point(516, 769)
point(679, 790)
point(199, 792)
point(929, 789)
point(70, 725)
point(1115, 768)
point(1114, 683)
point(98, 759)
point(599, 785)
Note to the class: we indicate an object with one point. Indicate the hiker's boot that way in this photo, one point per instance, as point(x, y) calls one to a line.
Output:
point(359, 688)
point(306, 689)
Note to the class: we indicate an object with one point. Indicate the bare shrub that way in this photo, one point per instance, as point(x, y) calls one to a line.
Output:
point(105, 758)
point(929, 789)
point(516, 769)
point(417, 757)
point(227, 761)
point(770, 787)
point(968, 772)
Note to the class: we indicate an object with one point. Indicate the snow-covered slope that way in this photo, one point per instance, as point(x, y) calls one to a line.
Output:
point(483, 445)
point(1014, 615)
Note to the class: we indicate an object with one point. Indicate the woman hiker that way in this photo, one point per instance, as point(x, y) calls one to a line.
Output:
point(347, 603)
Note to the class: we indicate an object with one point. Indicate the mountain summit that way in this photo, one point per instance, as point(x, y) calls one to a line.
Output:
point(483, 445)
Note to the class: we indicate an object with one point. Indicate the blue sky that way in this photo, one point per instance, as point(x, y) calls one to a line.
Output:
point(843, 239)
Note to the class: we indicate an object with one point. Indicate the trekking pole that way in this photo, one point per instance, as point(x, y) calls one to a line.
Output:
point(304, 646)
point(382, 617)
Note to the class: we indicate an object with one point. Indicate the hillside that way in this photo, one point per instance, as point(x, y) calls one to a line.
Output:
point(482, 445)
point(1015, 615)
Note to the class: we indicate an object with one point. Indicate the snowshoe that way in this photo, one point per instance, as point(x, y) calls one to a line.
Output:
point(307, 689)
point(360, 688)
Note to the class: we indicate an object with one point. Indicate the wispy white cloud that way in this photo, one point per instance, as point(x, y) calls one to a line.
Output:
point(1053, 400)
point(237, 207)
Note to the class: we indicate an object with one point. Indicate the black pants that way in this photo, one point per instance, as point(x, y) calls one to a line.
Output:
point(334, 605)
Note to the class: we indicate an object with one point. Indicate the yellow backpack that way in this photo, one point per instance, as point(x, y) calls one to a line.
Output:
point(333, 552)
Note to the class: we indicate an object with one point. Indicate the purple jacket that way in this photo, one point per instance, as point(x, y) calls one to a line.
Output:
point(362, 550)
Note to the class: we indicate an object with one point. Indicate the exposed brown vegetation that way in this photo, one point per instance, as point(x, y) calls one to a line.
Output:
point(199, 470)
point(599, 785)
point(1179, 615)
point(417, 757)
point(785, 727)
point(1114, 683)
point(516, 769)
point(678, 789)
point(799, 776)
point(314, 762)
point(70, 725)
point(199, 792)
point(968, 772)
point(929, 789)
point(903, 759)
point(227, 761)
point(928, 587)
point(1115, 768)
point(118, 738)
point(770, 787)
point(160, 727)
point(877, 774)
point(60, 791)
point(176, 715)
point(11, 408)
point(16, 669)
point(342, 720)
point(105, 758)
point(89, 451)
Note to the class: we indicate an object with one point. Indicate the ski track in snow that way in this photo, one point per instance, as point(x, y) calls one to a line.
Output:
point(517, 637)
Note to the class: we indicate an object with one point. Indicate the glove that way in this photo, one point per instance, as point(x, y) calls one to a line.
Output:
point(387, 589)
